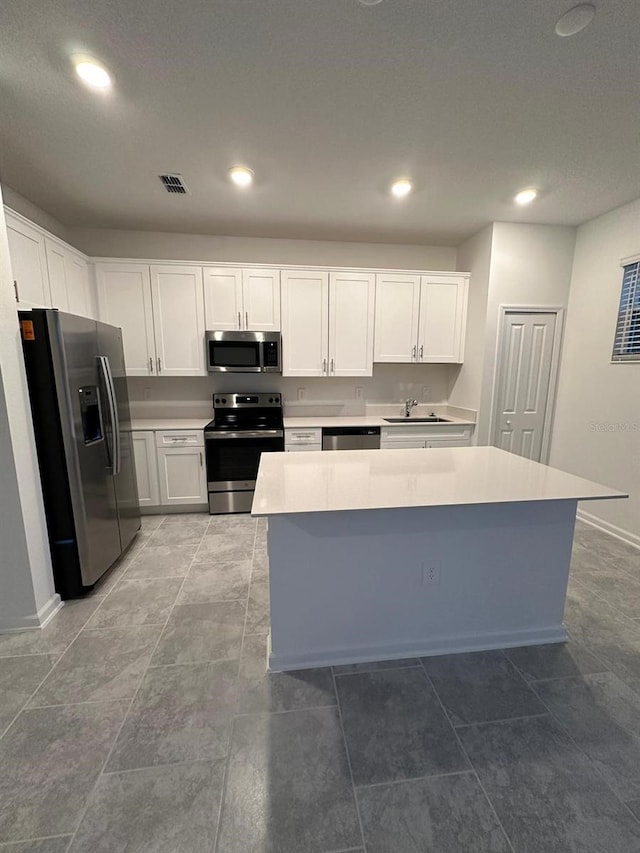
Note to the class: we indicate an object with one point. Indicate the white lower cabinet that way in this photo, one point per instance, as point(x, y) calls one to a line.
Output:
point(144, 453)
point(302, 439)
point(416, 437)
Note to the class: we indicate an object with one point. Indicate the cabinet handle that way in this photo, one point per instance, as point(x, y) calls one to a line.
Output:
point(333, 368)
point(246, 319)
point(201, 459)
point(421, 352)
point(15, 287)
point(324, 365)
point(413, 352)
point(239, 321)
point(150, 365)
point(159, 365)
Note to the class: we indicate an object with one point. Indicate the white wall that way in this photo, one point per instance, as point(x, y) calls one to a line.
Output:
point(592, 390)
point(474, 256)
point(100, 242)
point(530, 265)
point(27, 595)
point(165, 396)
point(22, 205)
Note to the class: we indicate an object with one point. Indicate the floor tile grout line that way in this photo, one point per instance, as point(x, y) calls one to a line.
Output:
point(369, 671)
point(501, 720)
point(124, 719)
point(285, 711)
point(31, 840)
point(606, 782)
point(348, 757)
point(467, 756)
point(410, 779)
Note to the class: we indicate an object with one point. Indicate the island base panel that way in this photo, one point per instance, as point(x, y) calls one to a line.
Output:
point(349, 587)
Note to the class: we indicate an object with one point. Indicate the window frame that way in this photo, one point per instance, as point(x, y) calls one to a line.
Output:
point(627, 330)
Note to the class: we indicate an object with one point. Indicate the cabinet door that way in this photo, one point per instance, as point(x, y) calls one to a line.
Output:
point(57, 275)
point(182, 475)
point(144, 452)
point(442, 318)
point(305, 323)
point(397, 310)
point(403, 444)
point(447, 442)
point(77, 276)
point(124, 300)
point(178, 320)
point(261, 300)
point(352, 299)
point(223, 299)
point(28, 264)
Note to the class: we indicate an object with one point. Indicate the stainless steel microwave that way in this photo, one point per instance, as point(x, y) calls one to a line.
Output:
point(243, 352)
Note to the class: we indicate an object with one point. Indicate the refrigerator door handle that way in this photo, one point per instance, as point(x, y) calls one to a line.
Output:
point(113, 411)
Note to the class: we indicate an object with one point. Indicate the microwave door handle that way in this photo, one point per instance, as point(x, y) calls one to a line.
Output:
point(105, 369)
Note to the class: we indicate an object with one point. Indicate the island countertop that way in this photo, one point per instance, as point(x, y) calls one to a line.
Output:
point(290, 483)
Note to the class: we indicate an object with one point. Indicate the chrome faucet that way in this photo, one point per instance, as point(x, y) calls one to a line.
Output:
point(408, 405)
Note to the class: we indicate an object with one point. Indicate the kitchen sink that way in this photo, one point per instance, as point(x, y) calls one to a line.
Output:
point(433, 420)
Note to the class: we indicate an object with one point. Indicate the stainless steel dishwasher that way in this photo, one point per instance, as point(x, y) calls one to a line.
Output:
point(351, 438)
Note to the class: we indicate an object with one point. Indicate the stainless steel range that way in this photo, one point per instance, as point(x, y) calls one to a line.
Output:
point(243, 428)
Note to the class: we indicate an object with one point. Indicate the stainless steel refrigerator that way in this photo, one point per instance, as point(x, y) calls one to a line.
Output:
point(78, 391)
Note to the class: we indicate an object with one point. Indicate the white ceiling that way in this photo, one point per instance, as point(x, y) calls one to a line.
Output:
point(328, 101)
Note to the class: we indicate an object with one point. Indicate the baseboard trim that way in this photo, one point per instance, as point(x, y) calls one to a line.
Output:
point(619, 533)
point(35, 620)
point(436, 646)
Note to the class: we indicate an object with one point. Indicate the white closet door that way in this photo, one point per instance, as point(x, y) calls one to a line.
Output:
point(261, 300)
point(351, 316)
point(223, 298)
point(397, 310)
point(178, 320)
point(124, 300)
point(305, 323)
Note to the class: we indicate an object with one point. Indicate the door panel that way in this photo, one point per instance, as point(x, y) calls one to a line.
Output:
point(524, 376)
point(124, 299)
point(77, 276)
point(261, 300)
point(442, 304)
point(351, 316)
point(396, 326)
point(178, 320)
point(57, 276)
point(222, 298)
point(182, 475)
point(28, 264)
point(305, 323)
point(144, 451)
point(110, 344)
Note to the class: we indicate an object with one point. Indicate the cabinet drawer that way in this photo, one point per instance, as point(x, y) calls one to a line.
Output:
point(180, 438)
point(302, 436)
point(298, 448)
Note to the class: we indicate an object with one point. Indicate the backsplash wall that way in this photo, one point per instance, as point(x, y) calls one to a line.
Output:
point(168, 396)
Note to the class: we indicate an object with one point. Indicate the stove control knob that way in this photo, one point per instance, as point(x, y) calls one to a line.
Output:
point(271, 399)
point(224, 399)
point(217, 399)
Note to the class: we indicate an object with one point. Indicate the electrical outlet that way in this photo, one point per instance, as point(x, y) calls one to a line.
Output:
point(301, 393)
point(359, 392)
point(430, 574)
point(147, 393)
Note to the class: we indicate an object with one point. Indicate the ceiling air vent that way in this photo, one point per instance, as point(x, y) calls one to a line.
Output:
point(174, 184)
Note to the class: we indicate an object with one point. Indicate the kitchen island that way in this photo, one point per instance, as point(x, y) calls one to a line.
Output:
point(381, 554)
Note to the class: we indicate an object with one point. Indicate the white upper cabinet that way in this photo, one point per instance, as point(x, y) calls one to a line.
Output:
point(124, 300)
point(397, 310)
point(305, 323)
point(443, 314)
point(261, 300)
point(351, 320)
point(242, 299)
point(28, 264)
point(178, 320)
point(222, 298)
point(57, 274)
point(78, 288)
point(420, 318)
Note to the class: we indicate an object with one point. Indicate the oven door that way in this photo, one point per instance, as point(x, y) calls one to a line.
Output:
point(233, 457)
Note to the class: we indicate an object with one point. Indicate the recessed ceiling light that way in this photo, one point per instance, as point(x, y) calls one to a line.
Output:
point(525, 196)
point(241, 176)
point(575, 19)
point(369, 2)
point(92, 73)
point(401, 188)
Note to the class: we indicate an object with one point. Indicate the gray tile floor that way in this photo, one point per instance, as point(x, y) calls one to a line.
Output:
point(141, 720)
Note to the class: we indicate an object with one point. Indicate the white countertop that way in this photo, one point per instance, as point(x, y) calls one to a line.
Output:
point(381, 479)
point(141, 424)
point(315, 421)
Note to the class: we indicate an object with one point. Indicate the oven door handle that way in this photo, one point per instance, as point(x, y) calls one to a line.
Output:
point(258, 433)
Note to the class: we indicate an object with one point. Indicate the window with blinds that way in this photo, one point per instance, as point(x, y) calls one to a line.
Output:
point(626, 344)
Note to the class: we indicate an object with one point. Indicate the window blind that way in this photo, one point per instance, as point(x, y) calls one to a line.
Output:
point(626, 344)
